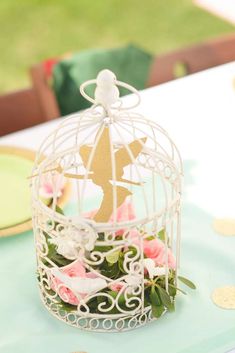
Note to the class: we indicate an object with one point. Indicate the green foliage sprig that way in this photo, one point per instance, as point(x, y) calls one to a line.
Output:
point(156, 294)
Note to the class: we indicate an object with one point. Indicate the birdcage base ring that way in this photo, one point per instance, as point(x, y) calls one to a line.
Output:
point(112, 325)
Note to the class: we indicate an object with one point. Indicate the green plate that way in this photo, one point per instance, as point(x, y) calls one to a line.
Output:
point(15, 211)
point(15, 168)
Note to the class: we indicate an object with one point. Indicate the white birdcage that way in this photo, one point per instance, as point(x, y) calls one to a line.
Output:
point(109, 261)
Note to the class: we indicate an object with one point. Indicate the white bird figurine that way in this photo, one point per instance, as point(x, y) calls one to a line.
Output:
point(80, 285)
point(153, 270)
point(106, 92)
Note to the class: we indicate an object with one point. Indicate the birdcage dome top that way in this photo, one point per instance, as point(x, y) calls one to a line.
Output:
point(113, 151)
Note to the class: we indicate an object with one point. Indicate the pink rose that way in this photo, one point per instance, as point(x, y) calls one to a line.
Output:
point(116, 287)
point(155, 249)
point(124, 213)
point(50, 183)
point(73, 270)
point(134, 237)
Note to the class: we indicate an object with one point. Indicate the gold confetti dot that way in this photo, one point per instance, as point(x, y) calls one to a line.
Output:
point(224, 297)
point(224, 226)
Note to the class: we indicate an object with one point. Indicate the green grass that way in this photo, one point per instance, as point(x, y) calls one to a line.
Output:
point(32, 30)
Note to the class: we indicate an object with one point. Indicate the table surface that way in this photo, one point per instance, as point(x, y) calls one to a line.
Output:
point(198, 111)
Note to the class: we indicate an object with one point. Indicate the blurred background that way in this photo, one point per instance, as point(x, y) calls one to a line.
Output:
point(34, 30)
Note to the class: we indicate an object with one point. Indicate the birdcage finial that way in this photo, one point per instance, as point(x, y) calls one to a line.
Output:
point(107, 92)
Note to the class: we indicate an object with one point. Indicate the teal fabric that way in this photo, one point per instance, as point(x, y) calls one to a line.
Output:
point(130, 64)
point(197, 326)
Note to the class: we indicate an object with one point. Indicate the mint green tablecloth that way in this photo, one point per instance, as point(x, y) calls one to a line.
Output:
point(197, 326)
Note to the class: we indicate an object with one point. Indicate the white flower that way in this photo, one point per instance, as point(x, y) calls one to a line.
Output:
point(71, 241)
point(67, 247)
point(153, 270)
point(133, 280)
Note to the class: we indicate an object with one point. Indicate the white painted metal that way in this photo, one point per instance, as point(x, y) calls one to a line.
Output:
point(158, 169)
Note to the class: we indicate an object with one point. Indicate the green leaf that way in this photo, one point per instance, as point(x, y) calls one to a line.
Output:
point(120, 262)
point(59, 210)
point(154, 297)
point(65, 306)
point(132, 251)
point(187, 282)
point(165, 298)
point(113, 257)
point(162, 234)
point(104, 248)
point(157, 310)
point(101, 236)
point(172, 307)
point(151, 237)
point(93, 303)
point(173, 289)
point(110, 270)
point(121, 298)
